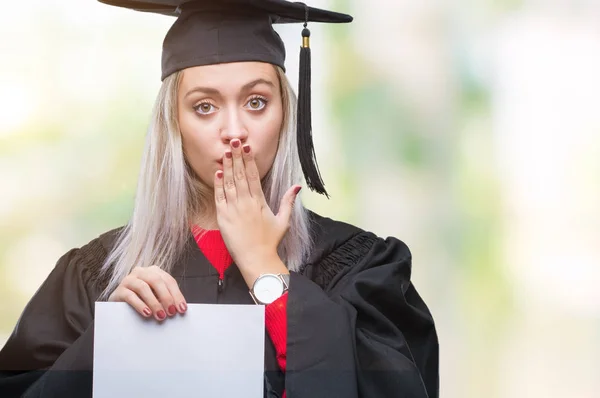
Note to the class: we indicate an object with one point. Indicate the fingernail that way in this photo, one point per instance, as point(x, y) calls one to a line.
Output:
point(297, 190)
point(235, 143)
point(228, 154)
point(172, 310)
point(247, 148)
point(147, 311)
point(220, 174)
point(182, 307)
point(161, 315)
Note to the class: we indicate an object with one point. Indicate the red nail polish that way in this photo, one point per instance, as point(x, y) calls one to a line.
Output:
point(235, 143)
point(228, 154)
point(220, 174)
point(247, 148)
point(172, 309)
point(161, 315)
point(147, 311)
point(297, 190)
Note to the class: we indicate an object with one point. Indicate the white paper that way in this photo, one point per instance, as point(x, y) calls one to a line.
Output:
point(211, 351)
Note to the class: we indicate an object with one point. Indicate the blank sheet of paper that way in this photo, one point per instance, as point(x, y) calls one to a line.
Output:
point(211, 351)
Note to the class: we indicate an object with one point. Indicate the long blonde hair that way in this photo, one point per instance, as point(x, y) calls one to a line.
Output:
point(169, 193)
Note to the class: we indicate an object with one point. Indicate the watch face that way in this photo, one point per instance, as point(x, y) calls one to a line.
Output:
point(268, 288)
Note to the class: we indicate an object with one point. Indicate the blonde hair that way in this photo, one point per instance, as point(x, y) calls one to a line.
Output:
point(169, 193)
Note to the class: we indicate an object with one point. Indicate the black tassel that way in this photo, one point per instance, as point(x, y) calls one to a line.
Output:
point(306, 150)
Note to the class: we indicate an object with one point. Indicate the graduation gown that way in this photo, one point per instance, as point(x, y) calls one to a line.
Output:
point(356, 325)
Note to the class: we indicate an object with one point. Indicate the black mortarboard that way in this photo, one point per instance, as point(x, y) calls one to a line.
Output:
point(210, 32)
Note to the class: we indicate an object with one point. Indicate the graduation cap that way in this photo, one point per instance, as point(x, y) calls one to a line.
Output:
point(209, 32)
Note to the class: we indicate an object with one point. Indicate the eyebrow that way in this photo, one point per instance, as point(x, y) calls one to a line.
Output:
point(245, 87)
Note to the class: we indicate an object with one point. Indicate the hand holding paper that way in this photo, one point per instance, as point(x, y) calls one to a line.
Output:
point(150, 290)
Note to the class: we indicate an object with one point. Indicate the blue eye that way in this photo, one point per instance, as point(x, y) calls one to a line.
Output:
point(204, 108)
point(257, 103)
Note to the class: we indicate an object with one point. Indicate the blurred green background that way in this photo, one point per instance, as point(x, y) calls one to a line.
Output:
point(468, 129)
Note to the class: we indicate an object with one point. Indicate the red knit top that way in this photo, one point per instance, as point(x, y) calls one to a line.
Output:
point(213, 247)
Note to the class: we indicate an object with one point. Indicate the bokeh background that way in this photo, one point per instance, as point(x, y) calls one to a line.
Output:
point(468, 129)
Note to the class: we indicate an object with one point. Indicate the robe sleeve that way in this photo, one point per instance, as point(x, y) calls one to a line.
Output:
point(367, 333)
point(276, 324)
point(50, 351)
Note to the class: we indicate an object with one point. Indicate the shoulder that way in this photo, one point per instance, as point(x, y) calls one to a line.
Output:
point(341, 248)
point(87, 260)
point(330, 235)
point(96, 250)
point(103, 242)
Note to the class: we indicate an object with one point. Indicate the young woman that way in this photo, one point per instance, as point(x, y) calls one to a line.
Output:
point(217, 220)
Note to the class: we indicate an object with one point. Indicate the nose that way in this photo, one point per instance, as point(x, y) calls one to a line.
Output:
point(234, 127)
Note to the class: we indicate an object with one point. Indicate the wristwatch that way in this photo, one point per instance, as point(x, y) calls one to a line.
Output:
point(269, 287)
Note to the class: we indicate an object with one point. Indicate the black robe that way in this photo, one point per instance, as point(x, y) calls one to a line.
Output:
point(356, 325)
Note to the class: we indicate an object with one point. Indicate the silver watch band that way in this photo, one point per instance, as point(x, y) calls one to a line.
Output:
point(286, 281)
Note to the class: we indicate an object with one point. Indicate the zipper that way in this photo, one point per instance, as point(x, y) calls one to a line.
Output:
point(221, 282)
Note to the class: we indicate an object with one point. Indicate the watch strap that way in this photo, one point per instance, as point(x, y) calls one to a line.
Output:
point(286, 281)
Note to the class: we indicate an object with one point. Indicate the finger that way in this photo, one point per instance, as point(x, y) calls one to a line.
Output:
point(239, 170)
point(287, 205)
point(220, 198)
point(228, 182)
point(154, 278)
point(252, 174)
point(144, 292)
point(136, 302)
point(175, 292)
point(122, 294)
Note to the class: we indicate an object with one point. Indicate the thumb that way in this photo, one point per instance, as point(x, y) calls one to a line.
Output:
point(287, 205)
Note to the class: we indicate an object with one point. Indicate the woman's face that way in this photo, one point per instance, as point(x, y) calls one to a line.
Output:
point(218, 103)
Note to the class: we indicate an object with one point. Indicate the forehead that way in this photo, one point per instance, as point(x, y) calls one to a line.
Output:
point(227, 77)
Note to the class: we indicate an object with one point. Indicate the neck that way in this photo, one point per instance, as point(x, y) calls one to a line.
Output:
point(207, 219)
